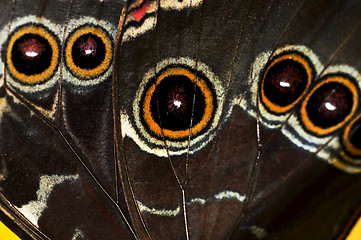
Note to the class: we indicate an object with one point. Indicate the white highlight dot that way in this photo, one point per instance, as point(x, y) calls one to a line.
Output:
point(177, 103)
point(285, 84)
point(31, 54)
point(330, 106)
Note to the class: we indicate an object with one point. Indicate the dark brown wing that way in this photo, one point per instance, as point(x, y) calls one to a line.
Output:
point(202, 154)
point(213, 120)
point(57, 142)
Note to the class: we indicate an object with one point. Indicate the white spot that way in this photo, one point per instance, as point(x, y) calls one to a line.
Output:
point(31, 54)
point(34, 209)
point(330, 106)
point(177, 103)
point(88, 51)
point(202, 201)
point(285, 84)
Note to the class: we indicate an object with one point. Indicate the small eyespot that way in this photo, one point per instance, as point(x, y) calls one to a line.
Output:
point(177, 104)
point(285, 81)
point(32, 54)
point(88, 52)
point(176, 100)
point(330, 104)
point(323, 120)
point(351, 138)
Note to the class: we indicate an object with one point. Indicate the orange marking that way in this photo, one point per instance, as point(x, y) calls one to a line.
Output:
point(297, 58)
point(322, 131)
point(138, 14)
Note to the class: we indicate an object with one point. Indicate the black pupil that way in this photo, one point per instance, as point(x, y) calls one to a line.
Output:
point(285, 82)
point(172, 103)
point(88, 51)
point(355, 134)
point(31, 54)
point(329, 104)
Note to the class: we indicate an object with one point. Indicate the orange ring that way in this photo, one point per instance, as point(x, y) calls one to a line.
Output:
point(350, 148)
point(291, 56)
point(154, 127)
point(321, 131)
point(95, 72)
point(44, 33)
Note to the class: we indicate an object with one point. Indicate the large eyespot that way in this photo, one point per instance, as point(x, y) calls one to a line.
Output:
point(285, 81)
point(32, 54)
point(351, 138)
point(330, 104)
point(88, 52)
point(178, 102)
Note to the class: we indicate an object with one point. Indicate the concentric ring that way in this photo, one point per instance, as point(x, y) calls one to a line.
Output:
point(88, 52)
point(330, 104)
point(285, 81)
point(32, 54)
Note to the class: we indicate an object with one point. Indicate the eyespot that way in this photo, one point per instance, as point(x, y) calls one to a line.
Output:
point(330, 104)
point(278, 81)
point(32, 54)
point(88, 52)
point(175, 101)
point(285, 81)
point(323, 122)
point(351, 138)
point(178, 102)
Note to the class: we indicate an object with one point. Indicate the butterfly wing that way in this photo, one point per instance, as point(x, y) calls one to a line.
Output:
point(247, 174)
point(58, 168)
point(180, 120)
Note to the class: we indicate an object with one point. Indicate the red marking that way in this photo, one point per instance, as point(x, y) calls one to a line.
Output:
point(177, 100)
point(31, 48)
point(138, 14)
point(88, 47)
point(290, 76)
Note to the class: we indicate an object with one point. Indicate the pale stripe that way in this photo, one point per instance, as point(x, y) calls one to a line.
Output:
point(174, 212)
point(34, 209)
